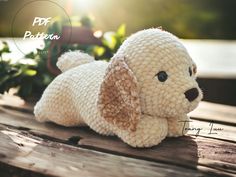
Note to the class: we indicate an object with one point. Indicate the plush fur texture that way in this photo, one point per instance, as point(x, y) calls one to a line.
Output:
point(128, 96)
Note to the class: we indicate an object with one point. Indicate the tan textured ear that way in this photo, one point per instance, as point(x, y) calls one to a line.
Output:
point(118, 101)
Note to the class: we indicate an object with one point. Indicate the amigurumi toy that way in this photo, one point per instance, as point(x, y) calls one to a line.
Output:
point(142, 95)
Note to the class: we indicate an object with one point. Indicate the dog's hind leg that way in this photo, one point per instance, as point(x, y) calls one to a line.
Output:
point(56, 104)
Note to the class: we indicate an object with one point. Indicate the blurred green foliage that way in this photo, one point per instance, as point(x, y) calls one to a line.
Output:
point(111, 42)
point(16, 75)
point(209, 19)
point(31, 75)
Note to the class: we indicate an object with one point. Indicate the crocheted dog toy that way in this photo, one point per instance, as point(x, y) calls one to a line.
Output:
point(142, 95)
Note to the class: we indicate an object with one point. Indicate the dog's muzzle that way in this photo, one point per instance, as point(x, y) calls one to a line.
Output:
point(191, 94)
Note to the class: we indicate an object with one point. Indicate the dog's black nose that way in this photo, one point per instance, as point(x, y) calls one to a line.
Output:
point(191, 94)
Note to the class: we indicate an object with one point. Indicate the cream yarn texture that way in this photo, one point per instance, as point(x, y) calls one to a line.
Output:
point(142, 95)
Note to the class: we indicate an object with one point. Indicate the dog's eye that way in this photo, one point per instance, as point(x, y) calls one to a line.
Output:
point(162, 76)
point(190, 71)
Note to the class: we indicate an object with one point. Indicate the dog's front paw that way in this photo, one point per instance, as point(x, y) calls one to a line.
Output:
point(178, 127)
point(149, 132)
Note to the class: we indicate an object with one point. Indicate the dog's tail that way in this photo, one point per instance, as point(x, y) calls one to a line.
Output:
point(72, 59)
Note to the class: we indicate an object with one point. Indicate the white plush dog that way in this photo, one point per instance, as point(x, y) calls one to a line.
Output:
point(142, 95)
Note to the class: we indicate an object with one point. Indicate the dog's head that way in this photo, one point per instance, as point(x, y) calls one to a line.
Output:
point(152, 73)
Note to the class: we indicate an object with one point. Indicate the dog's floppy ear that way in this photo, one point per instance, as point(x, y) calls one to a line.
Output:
point(118, 100)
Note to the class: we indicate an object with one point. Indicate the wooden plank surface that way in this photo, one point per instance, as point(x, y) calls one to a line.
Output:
point(201, 153)
point(209, 156)
point(217, 112)
point(52, 158)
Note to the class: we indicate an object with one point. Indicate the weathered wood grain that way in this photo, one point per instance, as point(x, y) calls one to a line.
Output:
point(216, 112)
point(52, 158)
point(208, 155)
point(212, 130)
point(7, 170)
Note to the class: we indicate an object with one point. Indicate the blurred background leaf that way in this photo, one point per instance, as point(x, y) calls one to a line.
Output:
point(214, 19)
point(201, 19)
point(31, 75)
